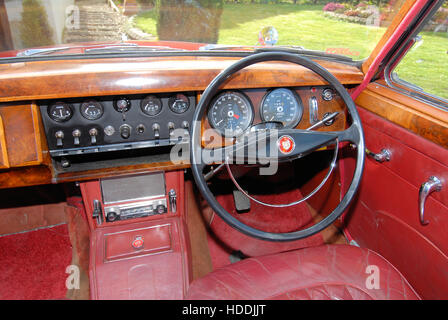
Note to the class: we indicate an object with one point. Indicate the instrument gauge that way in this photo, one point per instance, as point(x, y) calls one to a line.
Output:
point(231, 113)
point(92, 110)
point(60, 112)
point(122, 104)
point(282, 105)
point(151, 106)
point(179, 103)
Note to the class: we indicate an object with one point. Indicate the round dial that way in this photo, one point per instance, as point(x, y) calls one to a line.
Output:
point(282, 105)
point(60, 111)
point(231, 114)
point(92, 110)
point(151, 106)
point(179, 103)
point(122, 104)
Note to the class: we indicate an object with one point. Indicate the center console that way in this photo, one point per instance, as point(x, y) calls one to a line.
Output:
point(139, 244)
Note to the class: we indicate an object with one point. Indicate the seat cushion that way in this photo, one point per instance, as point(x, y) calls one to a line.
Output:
point(327, 272)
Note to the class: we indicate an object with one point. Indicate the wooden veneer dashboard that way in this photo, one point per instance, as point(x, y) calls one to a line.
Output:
point(24, 156)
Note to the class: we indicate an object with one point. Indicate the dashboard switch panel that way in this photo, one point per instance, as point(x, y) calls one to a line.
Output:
point(102, 124)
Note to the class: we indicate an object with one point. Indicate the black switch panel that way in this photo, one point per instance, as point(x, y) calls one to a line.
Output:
point(112, 129)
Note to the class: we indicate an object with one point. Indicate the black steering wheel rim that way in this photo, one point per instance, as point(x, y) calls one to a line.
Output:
point(195, 145)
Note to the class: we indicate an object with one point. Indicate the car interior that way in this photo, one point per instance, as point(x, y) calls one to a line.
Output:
point(228, 174)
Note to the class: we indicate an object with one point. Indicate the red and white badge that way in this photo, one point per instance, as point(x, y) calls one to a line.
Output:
point(286, 144)
point(138, 242)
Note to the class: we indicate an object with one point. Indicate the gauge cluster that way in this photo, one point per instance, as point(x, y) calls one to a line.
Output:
point(97, 124)
point(231, 113)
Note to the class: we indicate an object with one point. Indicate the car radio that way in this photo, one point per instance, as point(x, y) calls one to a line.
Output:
point(124, 212)
point(134, 196)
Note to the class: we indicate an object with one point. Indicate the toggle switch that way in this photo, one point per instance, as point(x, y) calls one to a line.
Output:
point(59, 137)
point(171, 127)
point(156, 129)
point(76, 134)
point(93, 133)
point(186, 126)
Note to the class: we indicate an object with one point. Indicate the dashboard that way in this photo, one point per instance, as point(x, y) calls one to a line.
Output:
point(75, 127)
point(76, 120)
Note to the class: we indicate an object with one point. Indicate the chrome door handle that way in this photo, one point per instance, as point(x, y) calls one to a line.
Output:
point(384, 155)
point(433, 184)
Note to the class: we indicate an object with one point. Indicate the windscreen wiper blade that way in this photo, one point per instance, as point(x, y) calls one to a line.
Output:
point(97, 49)
point(128, 49)
point(301, 50)
point(45, 51)
point(40, 51)
point(289, 49)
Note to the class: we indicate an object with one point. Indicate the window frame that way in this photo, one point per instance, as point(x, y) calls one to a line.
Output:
point(403, 86)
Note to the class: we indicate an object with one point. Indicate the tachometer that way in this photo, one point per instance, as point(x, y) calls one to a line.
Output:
point(231, 114)
point(282, 105)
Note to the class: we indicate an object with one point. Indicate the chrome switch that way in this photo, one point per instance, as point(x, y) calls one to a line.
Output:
point(156, 129)
point(76, 135)
point(59, 137)
point(93, 133)
point(314, 110)
point(171, 127)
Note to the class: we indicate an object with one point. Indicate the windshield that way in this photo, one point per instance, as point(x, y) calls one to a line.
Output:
point(350, 28)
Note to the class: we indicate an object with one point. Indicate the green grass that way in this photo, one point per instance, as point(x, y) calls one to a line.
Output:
point(427, 65)
point(305, 25)
point(146, 21)
point(302, 25)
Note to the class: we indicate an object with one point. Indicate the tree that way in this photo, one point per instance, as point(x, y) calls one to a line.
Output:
point(189, 20)
point(34, 29)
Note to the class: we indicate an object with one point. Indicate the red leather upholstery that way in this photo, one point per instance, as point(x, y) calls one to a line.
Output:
point(325, 272)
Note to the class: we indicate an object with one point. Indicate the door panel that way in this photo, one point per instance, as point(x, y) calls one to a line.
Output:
point(418, 259)
point(385, 216)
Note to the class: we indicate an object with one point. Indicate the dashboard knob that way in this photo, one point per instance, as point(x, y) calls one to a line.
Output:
point(125, 131)
point(93, 134)
point(140, 129)
point(76, 134)
point(111, 216)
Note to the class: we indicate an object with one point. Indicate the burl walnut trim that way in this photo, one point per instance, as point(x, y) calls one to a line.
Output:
point(421, 118)
point(117, 76)
point(23, 134)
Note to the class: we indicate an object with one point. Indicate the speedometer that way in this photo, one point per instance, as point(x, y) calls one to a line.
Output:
point(231, 113)
point(282, 105)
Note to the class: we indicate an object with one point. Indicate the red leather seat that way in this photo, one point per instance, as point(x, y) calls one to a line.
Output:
point(326, 272)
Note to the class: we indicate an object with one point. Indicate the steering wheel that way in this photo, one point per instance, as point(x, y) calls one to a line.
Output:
point(303, 142)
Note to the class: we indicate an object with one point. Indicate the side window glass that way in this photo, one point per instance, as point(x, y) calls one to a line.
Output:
point(425, 66)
